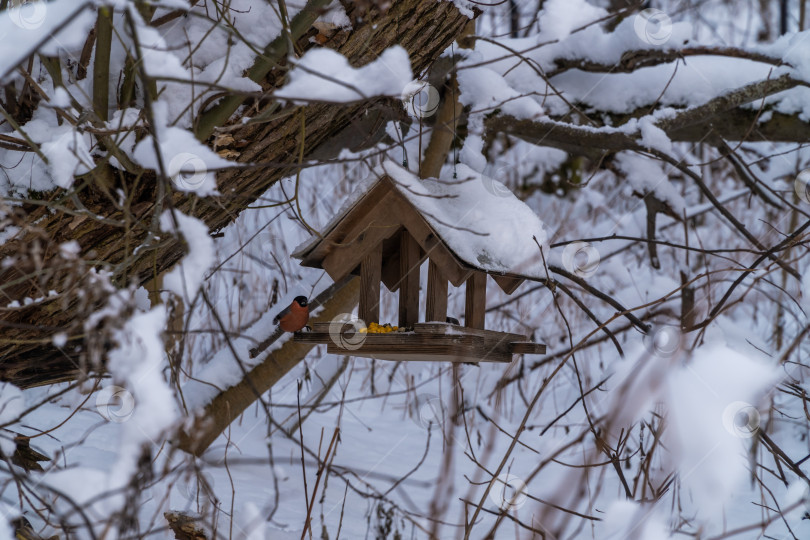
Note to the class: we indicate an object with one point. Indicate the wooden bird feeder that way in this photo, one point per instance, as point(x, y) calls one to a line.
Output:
point(384, 235)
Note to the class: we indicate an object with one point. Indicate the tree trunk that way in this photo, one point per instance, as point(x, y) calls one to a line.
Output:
point(425, 28)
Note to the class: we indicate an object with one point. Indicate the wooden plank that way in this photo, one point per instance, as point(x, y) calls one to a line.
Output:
point(507, 283)
point(349, 222)
point(399, 339)
point(390, 267)
point(412, 342)
point(414, 347)
point(527, 347)
point(319, 328)
point(496, 344)
point(320, 333)
point(424, 357)
point(346, 253)
point(311, 337)
point(436, 308)
point(325, 328)
point(476, 300)
point(370, 268)
point(426, 347)
point(409, 268)
point(454, 329)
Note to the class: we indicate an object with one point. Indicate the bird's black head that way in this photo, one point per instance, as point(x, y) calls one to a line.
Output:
point(302, 301)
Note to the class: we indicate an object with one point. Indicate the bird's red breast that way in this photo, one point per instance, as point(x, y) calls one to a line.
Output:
point(295, 319)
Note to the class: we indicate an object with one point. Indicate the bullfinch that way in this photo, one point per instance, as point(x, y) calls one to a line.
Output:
point(294, 317)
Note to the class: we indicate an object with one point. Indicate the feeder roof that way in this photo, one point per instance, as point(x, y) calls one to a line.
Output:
point(478, 219)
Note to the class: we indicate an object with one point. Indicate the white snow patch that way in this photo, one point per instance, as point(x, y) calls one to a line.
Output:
point(653, 136)
point(560, 17)
point(58, 25)
point(158, 59)
point(142, 299)
point(68, 154)
point(335, 15)
point(254, 522)
point(465, 7)
point(60, 98)
point(6, 530)
point(139, 361)
point(626, 520)
point(647, 176)
point(325, 75)
point(69, 249)
point(187, 161)
point(484, 90)
point(12, 404)
point(66, 150)
point(186, 277)
point(704, 400)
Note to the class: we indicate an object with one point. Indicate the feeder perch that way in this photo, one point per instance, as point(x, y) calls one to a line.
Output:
point(467, 230)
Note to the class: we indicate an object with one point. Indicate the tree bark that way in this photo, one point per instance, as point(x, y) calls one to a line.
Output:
point(425, 28)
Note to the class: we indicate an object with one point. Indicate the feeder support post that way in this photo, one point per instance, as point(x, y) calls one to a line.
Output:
point(436, 309)
point(409, 271)
point(370, 276)
point(476, 296)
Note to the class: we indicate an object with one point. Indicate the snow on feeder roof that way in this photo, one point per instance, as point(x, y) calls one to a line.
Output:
point(467, 228)
point(478, 219)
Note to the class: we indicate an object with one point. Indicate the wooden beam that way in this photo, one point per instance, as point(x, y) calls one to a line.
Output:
point(436, 308)
point(348, 225)
point(452, 329)
point(527, 347)
point(437, 342)
point(508, 283)
point(476, 304)
point(420, 347)
point(454, 357)
point(409, 266)
point(347, 249)
point(370, 269)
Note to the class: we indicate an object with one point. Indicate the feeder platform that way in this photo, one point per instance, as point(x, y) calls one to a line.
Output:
point(427, 342)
